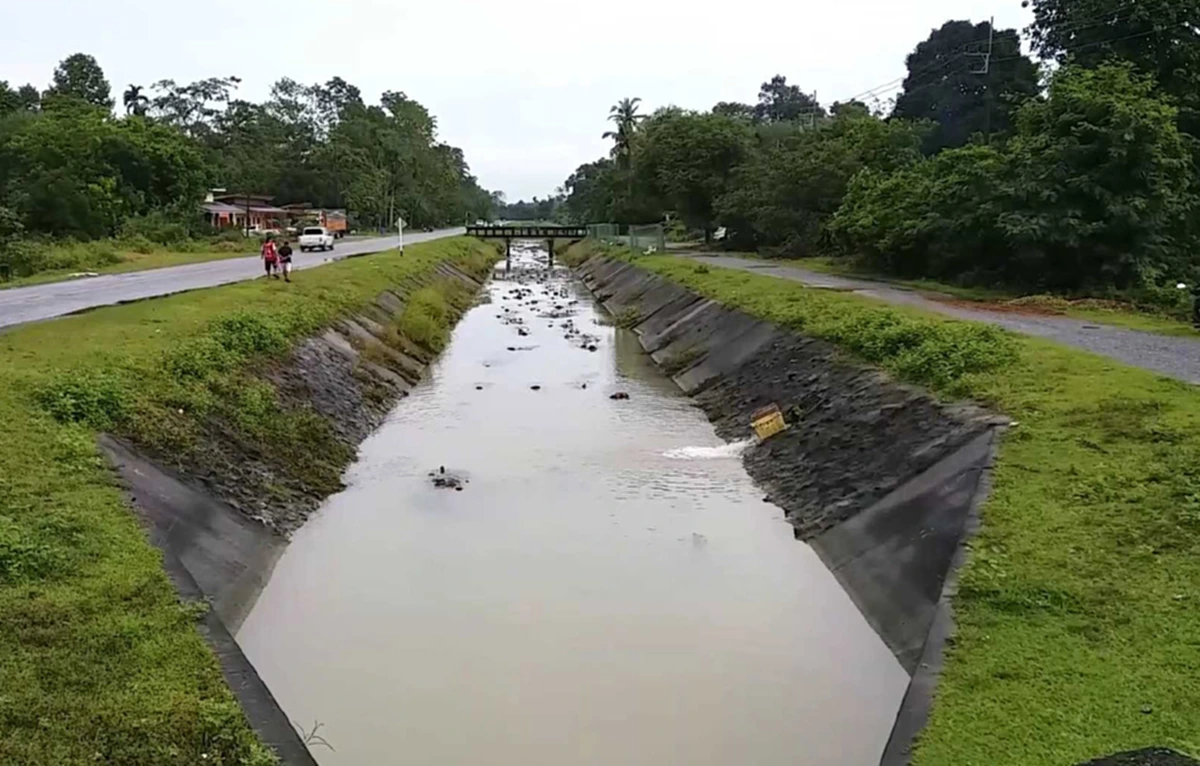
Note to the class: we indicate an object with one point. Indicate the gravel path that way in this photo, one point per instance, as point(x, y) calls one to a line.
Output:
point(1174, 357)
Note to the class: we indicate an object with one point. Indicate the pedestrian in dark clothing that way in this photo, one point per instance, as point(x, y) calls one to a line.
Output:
point(285, 260)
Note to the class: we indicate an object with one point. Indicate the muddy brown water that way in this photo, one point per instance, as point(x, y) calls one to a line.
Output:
point(608, 588)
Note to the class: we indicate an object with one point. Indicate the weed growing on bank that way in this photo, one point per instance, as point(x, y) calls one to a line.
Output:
point(99, 660)
point(1077, 612)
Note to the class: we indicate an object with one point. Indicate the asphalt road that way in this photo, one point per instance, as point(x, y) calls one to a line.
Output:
point(19, 305)
point(1175, 357)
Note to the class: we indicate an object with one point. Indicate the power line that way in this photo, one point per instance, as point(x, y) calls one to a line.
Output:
point(1107, 17)
point(1101, 42)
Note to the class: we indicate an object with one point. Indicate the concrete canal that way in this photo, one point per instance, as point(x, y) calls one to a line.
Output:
point(608, 587)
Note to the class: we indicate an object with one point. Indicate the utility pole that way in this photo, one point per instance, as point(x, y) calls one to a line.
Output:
point(985, 71)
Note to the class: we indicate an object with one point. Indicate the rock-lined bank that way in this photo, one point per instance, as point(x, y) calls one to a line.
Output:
point(882, 480)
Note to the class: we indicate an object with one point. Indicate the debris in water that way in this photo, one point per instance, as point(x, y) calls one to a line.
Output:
point(536, 388)
point(594, 348)
point(512, 348)
point(619, 396)
point(584, 386)
point(478, 388)
point(444, 480)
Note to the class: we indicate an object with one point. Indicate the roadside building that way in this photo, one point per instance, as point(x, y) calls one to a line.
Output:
point(231, 211)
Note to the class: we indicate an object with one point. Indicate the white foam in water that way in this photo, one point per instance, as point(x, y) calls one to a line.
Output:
point(733, 449)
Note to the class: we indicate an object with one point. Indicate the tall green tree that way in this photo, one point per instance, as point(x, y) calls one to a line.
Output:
point(786, 191)
point(194, 108)
point(734, 109)
point(1160, 37)
point(780, 102)
point(79, 76)
point(688, 160)
point(135, 101)
point(79, 172)
point(590, 192)
point(947, 83)
point(624, 114)
point(1094, 192)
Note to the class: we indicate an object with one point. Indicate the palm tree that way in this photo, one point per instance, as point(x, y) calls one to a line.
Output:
point(135, 102)
point(625, 114)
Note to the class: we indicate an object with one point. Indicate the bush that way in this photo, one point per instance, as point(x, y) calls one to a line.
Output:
point(247, 333)
point(424, 320)
point(157, 227)
point(98, 400)
point(22, 258)
point(139, 244)
point(1093, 193)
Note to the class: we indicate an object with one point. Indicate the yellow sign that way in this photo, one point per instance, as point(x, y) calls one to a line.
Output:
point(767, 422)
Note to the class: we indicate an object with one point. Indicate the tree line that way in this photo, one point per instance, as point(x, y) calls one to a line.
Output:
point(72, 167)
point(1074, 171)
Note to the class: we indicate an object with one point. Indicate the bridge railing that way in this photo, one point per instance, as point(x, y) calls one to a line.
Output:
point(527, 232)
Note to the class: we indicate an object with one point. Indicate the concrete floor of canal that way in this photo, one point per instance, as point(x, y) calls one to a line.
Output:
point(610, 588)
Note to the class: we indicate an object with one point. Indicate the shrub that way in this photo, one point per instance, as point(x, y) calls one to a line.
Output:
point(139, 244)
point(157, 227)
point(246, 333)
point(99, 400)
point(1094, 192)
point(424, 320)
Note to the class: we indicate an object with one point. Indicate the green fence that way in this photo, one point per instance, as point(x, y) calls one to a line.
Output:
point(647, 239)
point(604, 231)
point(650, 238)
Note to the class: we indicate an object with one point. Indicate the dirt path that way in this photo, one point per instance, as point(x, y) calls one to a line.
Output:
point(1174, 357)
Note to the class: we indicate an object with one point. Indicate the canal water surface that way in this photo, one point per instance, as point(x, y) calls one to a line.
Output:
point(608, 588)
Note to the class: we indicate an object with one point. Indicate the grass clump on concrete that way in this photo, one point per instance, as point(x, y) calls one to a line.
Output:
point(1078, 610)
point(100, 662)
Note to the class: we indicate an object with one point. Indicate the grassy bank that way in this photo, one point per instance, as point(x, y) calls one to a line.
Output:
point(99, 661)
point(1078, 608)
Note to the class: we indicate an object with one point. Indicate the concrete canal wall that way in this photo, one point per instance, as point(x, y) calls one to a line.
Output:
point(883, 481)
point(219, 533)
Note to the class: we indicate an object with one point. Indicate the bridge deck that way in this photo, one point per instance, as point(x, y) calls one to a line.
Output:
point(528, 232)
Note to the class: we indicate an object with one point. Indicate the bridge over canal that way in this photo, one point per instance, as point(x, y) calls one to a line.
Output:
point(548, 234)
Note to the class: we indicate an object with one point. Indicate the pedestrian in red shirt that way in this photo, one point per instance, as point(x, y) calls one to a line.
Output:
point(270, 257)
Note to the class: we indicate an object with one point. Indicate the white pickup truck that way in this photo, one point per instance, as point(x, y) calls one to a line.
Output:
point(316, 238)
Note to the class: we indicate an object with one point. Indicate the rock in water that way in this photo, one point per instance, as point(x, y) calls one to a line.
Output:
point(620, 395)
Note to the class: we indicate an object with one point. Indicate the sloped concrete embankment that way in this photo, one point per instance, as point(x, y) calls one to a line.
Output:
point(221, 532)
point(880, 479)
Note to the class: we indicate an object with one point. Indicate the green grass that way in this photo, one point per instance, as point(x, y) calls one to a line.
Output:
point(99, 660)
point(1078, 616)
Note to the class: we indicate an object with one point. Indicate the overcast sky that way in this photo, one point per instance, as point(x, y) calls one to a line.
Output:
point(522, 86)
